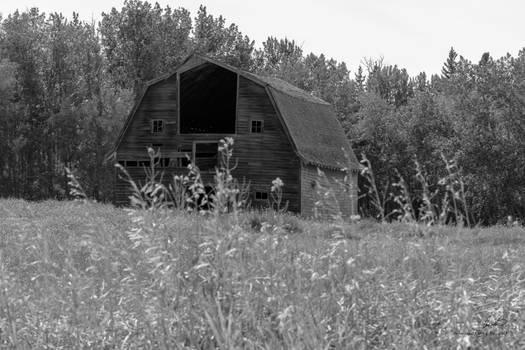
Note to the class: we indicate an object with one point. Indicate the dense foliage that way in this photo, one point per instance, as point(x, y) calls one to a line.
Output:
point(67, 85)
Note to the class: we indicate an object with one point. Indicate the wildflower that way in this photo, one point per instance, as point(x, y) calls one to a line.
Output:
point(225, 144)
point(277, 183)
point(151, 152)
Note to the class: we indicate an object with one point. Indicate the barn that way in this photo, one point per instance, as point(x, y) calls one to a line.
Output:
point(278, 129)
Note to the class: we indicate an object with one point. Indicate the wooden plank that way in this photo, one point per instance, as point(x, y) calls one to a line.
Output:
point(344, 198)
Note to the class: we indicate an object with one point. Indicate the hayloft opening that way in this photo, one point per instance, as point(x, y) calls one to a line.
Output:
point(208, 97)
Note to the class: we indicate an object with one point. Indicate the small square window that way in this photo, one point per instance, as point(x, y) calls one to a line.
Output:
point(261, 195)
point(157, 126)
point(257, 126)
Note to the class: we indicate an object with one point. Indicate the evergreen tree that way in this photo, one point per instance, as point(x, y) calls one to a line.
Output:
point(360, 79)
point(450, 65)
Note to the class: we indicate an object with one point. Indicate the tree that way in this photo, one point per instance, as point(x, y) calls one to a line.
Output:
point(391, 83)
point(212, 37)
point(142, 42)
point(23, 44)
point(282, 58)
point(11, 124)
point(420, 82)
point(449, 67)
point(360, 79)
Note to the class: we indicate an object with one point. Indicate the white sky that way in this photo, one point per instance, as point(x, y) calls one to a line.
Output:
point(414, 34)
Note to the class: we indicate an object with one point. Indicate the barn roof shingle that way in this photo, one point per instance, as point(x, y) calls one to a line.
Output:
point(315, 131)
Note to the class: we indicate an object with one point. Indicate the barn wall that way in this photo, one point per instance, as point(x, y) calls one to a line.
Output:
point(332, 196)
point(260, 157)
point(159, 102)
point(263, 157)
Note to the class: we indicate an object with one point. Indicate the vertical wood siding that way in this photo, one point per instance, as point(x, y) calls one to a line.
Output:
point(265, 156)
point(340, 199)
point(159, 102)
point(260, 157)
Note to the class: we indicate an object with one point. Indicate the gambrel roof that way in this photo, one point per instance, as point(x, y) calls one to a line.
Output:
point(310, 122)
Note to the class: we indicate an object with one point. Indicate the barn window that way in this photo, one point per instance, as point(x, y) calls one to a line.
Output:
point(206, 155)
point(257, 126)
point(157, 126)
point(131, 163)
point(259, 195)
point(208, 98)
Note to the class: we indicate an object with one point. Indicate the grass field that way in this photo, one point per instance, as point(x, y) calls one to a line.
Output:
point(84, 275)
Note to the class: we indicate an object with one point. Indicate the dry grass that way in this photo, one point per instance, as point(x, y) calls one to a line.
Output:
point(85, 275)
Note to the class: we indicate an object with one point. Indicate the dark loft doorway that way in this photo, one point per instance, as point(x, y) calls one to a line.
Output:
point(208, 96)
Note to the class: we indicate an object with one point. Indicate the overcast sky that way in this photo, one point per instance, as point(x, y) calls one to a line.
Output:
point(414, 34)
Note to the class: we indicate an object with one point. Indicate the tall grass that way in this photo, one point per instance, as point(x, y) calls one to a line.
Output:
point(87, 275)
point(442, 203)
point(80, 274)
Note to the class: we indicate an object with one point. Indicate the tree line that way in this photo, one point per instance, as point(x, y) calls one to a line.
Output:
point(66, 86)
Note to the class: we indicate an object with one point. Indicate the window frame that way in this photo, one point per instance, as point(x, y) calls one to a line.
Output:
point(252, 121)
point(163, 126)
point(262, 194)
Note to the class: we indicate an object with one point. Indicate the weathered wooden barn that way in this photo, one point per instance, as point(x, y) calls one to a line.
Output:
point(279, 130)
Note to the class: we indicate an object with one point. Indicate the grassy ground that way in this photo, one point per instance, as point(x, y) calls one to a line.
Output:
point(84, 275)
